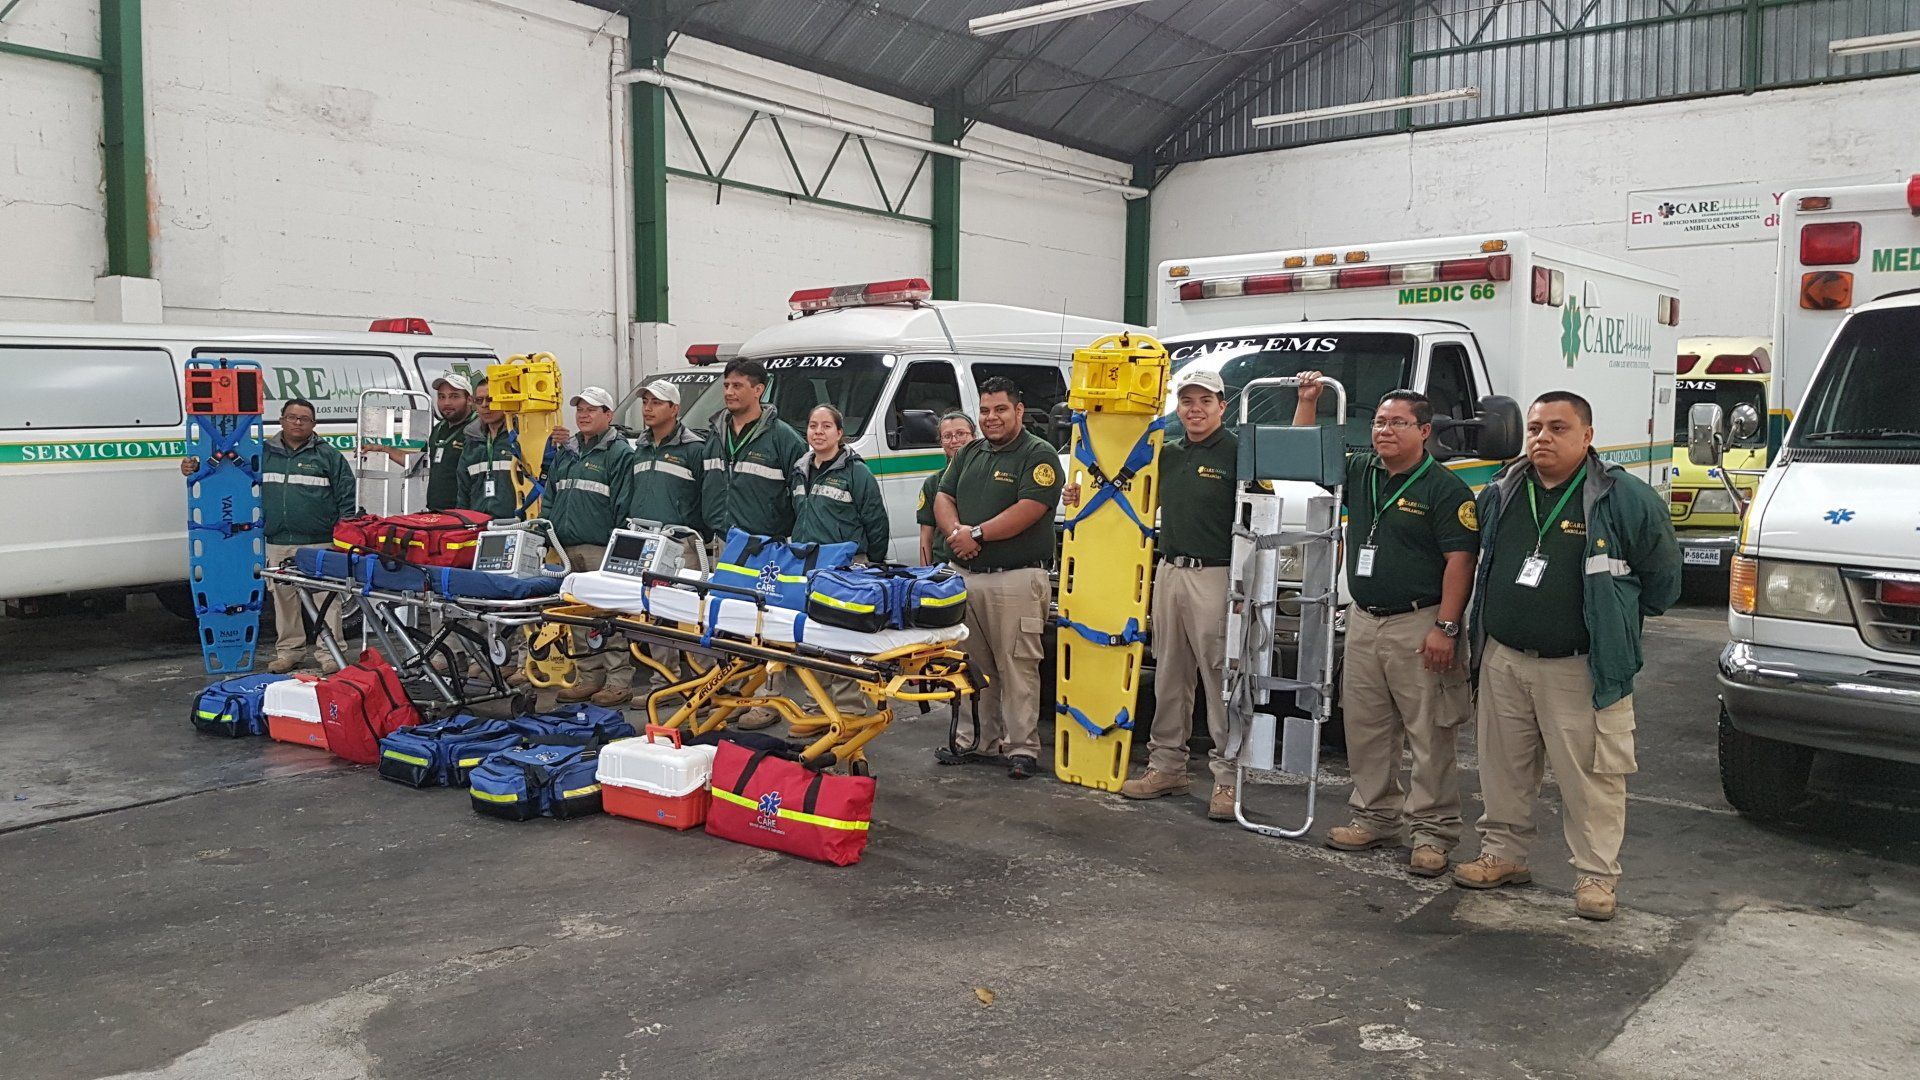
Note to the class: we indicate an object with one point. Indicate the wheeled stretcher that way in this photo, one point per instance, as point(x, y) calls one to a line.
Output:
point(736, 643)
point(429, 621)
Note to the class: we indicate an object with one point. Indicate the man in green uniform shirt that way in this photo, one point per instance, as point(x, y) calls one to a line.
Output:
point(995, 510)
point(1411, 537)
point(588, 475)
point(486, 466)
point(1575, 554)
point(749, 460)
point(956, 431)
point(440, 460)
point(1189, 616)
point(667, 461)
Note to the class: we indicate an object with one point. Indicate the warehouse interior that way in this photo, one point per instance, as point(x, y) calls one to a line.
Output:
point(646, 189)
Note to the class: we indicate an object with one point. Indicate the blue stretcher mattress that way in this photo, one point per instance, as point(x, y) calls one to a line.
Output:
point(368, 572)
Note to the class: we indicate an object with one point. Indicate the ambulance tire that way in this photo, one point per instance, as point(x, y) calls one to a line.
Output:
point(1764, 779)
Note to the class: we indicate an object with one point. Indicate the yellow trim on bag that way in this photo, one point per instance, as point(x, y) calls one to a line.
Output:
point(579, 791)
point(467, 762)
point(945, 601)
point(489, 796)
point(793, 815)
point(205, 715)
point(843, 605)
point(751, 572)
point(408, 758)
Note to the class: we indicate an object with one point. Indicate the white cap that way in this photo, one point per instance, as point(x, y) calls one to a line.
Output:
point(664, 390)
point(1202, 378)
point(455, 380)
point(593, 395)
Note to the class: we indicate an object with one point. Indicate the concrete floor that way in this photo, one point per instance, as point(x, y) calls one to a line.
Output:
point(177, 906)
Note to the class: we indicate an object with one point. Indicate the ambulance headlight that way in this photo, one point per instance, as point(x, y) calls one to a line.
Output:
point(1713, 501)
point(1803, 591)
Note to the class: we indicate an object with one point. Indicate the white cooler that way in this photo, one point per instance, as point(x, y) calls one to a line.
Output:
point(655, 779)
point(293, 712)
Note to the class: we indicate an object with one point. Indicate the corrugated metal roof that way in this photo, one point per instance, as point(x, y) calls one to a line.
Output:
point(1115, 83)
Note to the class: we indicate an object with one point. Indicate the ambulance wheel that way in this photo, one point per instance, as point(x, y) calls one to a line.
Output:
point(1764, 779)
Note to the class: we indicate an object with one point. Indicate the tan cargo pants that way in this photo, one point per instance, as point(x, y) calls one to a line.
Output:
point(1530, 706)
point(610, 670)
point(1392, 702)
point(1006, 628)
point(1189, 625)
point(289, 628)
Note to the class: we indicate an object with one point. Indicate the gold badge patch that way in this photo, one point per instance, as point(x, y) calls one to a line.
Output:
point(1468, 516)
point(923, 500)
point(1044, 475)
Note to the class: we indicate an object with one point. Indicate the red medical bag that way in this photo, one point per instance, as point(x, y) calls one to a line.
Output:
point(361, 704)
point(778, 803)
point(433, 538)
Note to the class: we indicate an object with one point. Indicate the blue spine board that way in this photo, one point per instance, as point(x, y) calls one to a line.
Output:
point(226, 541)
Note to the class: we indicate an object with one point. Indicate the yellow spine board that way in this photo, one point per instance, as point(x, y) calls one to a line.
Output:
point(527, 388)
point(1106, 562)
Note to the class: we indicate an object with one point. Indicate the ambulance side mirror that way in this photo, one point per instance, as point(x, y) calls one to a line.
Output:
point(918, 428)
point(1060, 420)
point(1744, 424)
point(1703, 433)
point(1500, 428)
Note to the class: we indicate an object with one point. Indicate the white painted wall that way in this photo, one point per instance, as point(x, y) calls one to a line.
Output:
point(1565, 178)
point(325, 164)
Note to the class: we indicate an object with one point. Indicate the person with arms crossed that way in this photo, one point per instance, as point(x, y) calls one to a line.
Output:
point(995, 510)
point(1575, 553)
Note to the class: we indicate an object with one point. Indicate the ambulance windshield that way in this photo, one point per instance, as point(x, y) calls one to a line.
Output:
point(1863, 399)
point(1367, 364)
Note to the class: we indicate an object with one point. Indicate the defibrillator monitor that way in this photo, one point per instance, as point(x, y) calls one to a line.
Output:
point(636, 553)
point(516, 552)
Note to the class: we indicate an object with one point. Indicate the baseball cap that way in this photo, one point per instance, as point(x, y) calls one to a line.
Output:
point(1206, 380)
point(455, 380)
point(593, 395)
point(664, 390)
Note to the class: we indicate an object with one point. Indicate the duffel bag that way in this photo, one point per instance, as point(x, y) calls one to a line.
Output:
point(584, 722)
point(233, 707)
point(531, 781)
point(361, 704)
point(857, 598)
point(769, 799)
point(776, 569)
point(443, 752)
point(432, 538)
point(928, 597)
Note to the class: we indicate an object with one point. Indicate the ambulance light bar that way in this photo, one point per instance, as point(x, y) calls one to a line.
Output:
point(899, 291)
point(1485, 268)
point(709, 353)
point(400, 326)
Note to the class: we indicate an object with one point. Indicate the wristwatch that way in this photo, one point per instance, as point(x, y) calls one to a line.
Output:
point(1451, 629)
point(979, 535)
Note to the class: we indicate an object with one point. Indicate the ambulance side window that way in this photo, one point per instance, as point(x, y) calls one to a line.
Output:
point(929, 386)
point(1041, 385)
point(1450, 389)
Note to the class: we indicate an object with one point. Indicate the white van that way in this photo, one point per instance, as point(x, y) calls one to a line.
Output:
point(892, 360)
point(1480, 324)
point(1824, 600)
point(91, 434)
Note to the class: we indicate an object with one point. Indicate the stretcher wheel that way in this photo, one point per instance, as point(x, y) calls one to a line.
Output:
point(859, 767)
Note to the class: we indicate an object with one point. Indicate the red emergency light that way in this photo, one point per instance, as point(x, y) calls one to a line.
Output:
point(898, 291)
point(1739, 364)
point(1686, 362)
point(400, 326)
point(1913, 194)
point(1485, 268)
point(1830, 243)
point(703, 354)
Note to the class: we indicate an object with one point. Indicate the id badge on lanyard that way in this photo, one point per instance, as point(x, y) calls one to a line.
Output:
point(1534, 567)
point(1363, 562)
point(489, 487)
point(1363, 566)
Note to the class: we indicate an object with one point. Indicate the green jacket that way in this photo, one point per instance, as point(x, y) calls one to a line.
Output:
point(586, 497)
point(1632, 568)
point(439, 461)
point(488, 457)
point(839, 502)
point(666, 478)
point(747, 487)
point(304, 492)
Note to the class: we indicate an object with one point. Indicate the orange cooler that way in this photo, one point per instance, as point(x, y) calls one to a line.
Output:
point(293, 712)
point(656, 779)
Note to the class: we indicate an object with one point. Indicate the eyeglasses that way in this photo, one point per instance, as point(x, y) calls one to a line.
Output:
point(1397, 423)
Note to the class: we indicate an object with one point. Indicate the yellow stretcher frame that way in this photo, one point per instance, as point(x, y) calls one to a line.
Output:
point(740, 670)
point(1106, 561)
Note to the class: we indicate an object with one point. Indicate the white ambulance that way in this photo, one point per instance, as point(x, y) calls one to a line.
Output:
point(91, 436)
point(1480, 324)
point(892, 360)
point(1825, 583)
